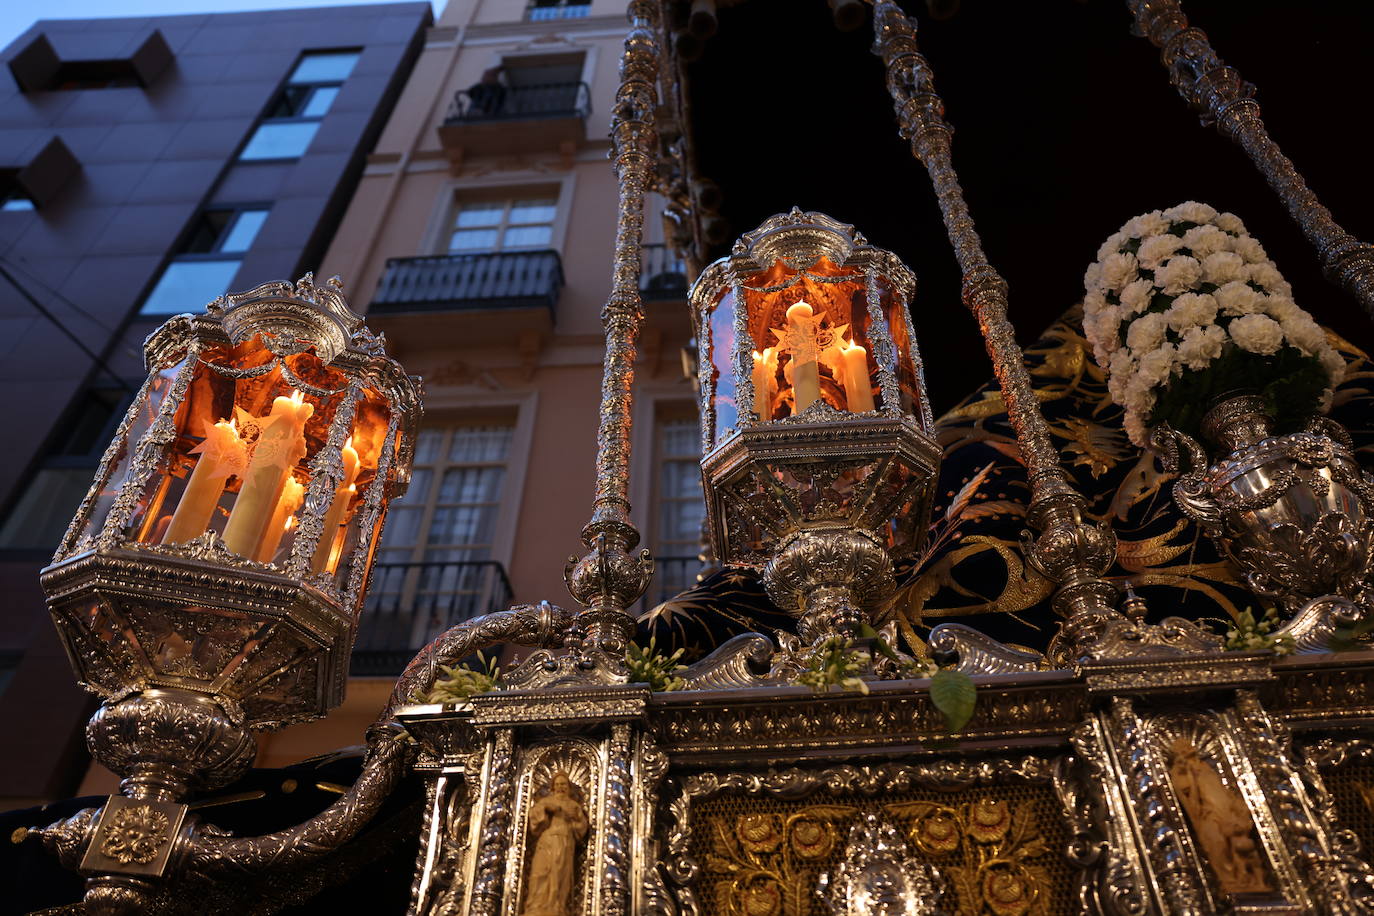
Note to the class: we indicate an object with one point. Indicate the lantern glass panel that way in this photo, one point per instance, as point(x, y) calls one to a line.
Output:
point(910, 383)
point(724, 414)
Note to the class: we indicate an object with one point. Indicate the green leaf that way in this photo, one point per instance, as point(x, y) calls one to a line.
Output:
point(954, 694)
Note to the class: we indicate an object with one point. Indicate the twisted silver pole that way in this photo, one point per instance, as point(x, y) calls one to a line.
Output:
point(1069, 550)
point(608, 579)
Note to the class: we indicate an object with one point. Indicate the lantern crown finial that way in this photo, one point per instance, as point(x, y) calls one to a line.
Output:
point(799, 239)
point(291, 317)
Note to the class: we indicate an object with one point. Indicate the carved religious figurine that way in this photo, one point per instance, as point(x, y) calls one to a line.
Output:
point(1221, 822)
point(560, 823)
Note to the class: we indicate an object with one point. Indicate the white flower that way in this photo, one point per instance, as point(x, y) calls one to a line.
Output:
point(1156, 249)
point(1135, 298)
point(1092, 277)
point(1145, 225)
point(1257, 334)
point(1135, 428)
point(1201, 345)
point(1190, 212)
point(1222, 267)
point(1231, 223)
point(1265, 274)
point(1093, 302)
point(1204, 240)
point(1117, 270)
point(1249, 248)
point(1280, 307)
point(1334, 364)
point(1237, 298)
point(1156, 365)
point(1304, 333)
point(1181, 273)
point(1191, 310)
point(1324, 402)
point(1112, 245)
point(1146, 333)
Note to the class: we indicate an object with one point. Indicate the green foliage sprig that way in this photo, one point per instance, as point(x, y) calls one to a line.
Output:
point(649, 666)
point(457, 684)
point(1290, 383)
point(1257, 635)
point(835, 664)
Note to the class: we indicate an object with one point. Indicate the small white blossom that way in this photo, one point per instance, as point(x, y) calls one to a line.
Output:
point(1265, 274)
point(1135, 298)
point(1117, 270)
point(1201, 345)
point(1190, 310)
point(1334, 364)
point(1204, 240)
point(1191, 212)
point(1249, 248)
point(1157, 249)
point(1257, 334)
point(1222, 267)
point(1302, 332)
point(1179, 274)
point(1156, 365)
point(1112, 245)
point(1146, 333)
point(1237, 298)
point(1280, 307)
point(1092, 277)
point(1145, 225)
point(1229, 222)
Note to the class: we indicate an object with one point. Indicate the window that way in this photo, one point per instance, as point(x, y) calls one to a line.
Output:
point(542, 10)
point(435, 558)
point(207, 261)
point(294, 115)
point(503, 225)
point(40, 516)
point(680, 507)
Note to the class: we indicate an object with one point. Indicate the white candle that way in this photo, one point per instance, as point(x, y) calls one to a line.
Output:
point(281, 443)
point(222, 455)
point(765, 370)
point(333, 520)
point(801, 342)
point(858, 391)
point(283, 519)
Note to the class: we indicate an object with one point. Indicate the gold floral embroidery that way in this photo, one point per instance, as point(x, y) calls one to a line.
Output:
point(767, 863)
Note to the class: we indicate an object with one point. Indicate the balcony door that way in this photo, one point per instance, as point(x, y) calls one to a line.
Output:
point(434, 566)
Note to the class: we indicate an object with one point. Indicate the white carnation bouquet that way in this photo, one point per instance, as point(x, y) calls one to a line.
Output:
point(1183, 306)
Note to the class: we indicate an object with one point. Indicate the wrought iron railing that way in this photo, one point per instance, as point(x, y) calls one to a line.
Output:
point(503, 279)
point(409, 604)
point(575, 9)
point(492, 102)
point(672, 576)
point(664, 274)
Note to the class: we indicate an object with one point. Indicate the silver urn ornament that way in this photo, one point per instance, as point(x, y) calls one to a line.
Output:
point(1294, 512)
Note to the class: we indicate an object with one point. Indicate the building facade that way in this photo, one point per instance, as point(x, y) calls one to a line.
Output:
point(147, 166)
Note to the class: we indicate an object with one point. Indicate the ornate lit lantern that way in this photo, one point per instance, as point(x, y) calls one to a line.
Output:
point(819, 461)
point(214, 573)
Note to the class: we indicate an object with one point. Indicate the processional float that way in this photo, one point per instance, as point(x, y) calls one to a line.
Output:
point(211, 582)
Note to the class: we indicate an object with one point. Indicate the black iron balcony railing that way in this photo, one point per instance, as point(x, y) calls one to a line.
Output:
point(411, 603)
point(564, 9)
point(492, 102)
point(664, 275)
point(502, 279)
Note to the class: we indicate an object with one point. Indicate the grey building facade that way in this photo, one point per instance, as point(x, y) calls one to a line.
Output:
point(146, 166)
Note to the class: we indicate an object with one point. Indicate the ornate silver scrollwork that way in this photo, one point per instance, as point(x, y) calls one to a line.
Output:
point(879, 877)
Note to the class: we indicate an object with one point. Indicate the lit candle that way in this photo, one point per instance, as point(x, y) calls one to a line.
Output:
point(802, 344)
point(222, 455)
point(334, 518)
point(857, 390)
point(283, 519)
point(764, 371)
point(281, 443)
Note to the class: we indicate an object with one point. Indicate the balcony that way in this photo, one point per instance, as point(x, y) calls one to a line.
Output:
point(664, 275)
point(498, 120)
point(559, 9)
point(485, 298)
point(411, 603)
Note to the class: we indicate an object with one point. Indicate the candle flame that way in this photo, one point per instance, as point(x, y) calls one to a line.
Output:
point(290, 523)
point(297, 397)
point(349, 443)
